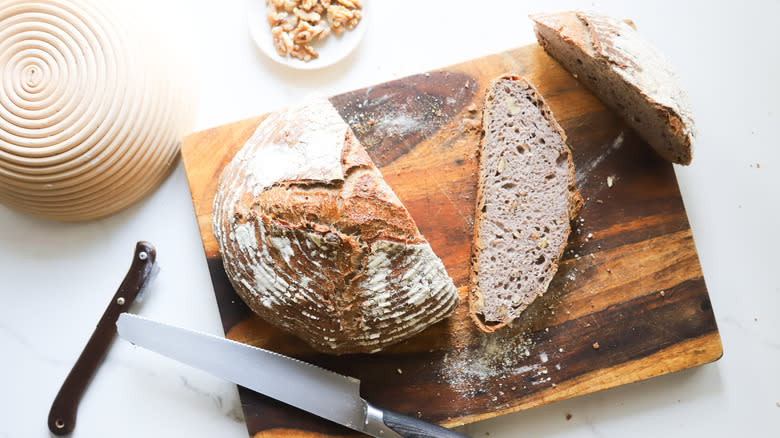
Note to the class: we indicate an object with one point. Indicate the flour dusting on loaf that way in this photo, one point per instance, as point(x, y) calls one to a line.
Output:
point(315, 241)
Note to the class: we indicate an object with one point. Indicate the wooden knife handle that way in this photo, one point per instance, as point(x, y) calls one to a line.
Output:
point(62, 416)
point(409, 427)
point(389, 424)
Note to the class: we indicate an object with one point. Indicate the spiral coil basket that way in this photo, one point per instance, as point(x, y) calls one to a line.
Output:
point(91, 116)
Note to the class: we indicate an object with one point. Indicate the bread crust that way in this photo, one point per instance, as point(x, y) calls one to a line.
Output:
point(627, 73)
point(325, 251)
point(574, 203)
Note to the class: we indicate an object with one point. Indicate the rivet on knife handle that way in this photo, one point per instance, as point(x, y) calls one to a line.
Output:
point(62, 416)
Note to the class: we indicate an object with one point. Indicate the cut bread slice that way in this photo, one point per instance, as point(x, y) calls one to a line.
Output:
point(525, 200)
point(627, 73)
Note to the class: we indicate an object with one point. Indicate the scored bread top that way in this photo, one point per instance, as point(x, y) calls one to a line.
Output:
point(315, 241)
point(627, 72)
point(525, 200)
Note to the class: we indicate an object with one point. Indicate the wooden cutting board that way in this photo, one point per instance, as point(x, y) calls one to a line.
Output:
point(629, 301)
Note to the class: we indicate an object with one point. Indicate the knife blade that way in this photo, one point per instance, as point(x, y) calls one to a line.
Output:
point(297, 383)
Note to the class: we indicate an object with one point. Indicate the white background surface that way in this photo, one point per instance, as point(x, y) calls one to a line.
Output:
point(56, 278)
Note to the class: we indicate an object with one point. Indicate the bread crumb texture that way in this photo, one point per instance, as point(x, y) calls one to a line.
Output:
point(525, 199)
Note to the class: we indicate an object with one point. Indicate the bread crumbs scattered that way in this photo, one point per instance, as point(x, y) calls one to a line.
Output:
point(662, 293)
point(599, 201)
point(609, 271)
point(400, 371)
point(590, 235)
point(610, 181)
point(568, 417)
point(596, 345)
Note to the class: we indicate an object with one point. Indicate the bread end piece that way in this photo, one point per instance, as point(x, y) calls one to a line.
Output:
point(627, 73)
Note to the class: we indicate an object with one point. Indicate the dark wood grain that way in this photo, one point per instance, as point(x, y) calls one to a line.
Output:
point(630, 279)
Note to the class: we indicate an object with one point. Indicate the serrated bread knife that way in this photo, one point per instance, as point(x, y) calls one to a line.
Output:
point(305, 386)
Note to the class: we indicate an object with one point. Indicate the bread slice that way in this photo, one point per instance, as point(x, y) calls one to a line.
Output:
point(525, 200)
point(315, 241)
point(627, 73)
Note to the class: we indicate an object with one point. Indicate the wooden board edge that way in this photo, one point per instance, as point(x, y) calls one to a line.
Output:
point(706, 349)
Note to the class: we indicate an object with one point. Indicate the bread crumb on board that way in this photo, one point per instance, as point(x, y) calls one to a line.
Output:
point(568, 417)
point(471, 124)
point(610, 181)
point(596, 346)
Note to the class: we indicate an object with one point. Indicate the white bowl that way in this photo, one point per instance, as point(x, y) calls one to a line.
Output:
point(332, 50)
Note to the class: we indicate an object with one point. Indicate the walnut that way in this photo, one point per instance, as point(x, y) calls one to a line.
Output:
point(283, 43)
point(351, 4)
point(338, 15)
point(308, 16)
point(308, 5)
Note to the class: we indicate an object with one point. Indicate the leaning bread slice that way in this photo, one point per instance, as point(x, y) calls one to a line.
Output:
point(315, 241)
point(627, 73)
point(525, 200)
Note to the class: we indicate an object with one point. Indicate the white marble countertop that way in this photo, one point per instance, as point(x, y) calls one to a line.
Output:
point(57, 278)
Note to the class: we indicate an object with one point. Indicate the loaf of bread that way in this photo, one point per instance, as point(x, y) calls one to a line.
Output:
point(315, 241)
point(525, 200)
point(627, 73)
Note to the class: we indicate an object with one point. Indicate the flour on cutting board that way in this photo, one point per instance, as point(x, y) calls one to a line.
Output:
point(583, 172)
point(376, 118)
point(493, 358)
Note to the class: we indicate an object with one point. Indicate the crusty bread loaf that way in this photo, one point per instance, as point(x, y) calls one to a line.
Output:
point(627, 73)
point(315, 241)
point(525, 200)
